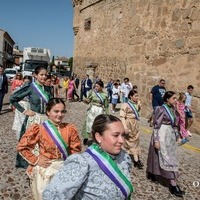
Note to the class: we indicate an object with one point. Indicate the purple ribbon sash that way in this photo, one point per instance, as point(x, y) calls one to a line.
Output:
point(110, 168)
point(40, 92)
point(57, 138)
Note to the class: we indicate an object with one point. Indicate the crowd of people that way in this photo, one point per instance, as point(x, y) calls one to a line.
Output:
point(102, 171)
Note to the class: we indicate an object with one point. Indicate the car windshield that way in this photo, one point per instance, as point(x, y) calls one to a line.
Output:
point(10, 72)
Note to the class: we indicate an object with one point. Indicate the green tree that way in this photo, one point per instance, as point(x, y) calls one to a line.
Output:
point(52, 63)
point(71, 63)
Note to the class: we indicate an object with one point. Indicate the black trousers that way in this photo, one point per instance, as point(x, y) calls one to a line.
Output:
point(2, 93)
point(85, 92)
point(75, 94)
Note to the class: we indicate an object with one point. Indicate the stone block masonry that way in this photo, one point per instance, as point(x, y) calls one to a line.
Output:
point(144, 40)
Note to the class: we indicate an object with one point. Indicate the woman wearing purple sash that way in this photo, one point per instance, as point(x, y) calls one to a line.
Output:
point(129, 114)
point(101, 172)
point(38, 95)
point(162, 158)
point(56, 141)
point(98, 101)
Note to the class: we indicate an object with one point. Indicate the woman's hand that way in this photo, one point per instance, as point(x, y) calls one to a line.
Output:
point(157, 145)
point(29, 113)
point(44, 162)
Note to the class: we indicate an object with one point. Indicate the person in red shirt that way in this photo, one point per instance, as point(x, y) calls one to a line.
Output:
point(17, 82)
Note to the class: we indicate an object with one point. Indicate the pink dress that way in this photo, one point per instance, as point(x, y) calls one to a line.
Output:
point(181, 110)
point(70, 90)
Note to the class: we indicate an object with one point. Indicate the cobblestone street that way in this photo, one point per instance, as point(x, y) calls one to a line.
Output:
point(14, 184)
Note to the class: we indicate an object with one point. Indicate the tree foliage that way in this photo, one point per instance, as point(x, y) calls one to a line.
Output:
point(52, 63)
point(71, 63)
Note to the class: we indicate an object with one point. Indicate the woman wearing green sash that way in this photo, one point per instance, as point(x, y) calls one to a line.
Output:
point(56, 141)
point(129, 114)
point(38, 95)
point(162, 158)
point(101, 172)
point(98, 101)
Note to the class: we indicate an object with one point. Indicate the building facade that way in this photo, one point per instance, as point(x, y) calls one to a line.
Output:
point(144, 40)
point(6, 49)
point(62, 66)
point(61, 61)
point(18, 56)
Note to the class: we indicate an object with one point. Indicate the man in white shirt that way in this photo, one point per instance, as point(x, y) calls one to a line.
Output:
point(88, 86)
point(126, 87)
point(115, 96)
point(188, 103)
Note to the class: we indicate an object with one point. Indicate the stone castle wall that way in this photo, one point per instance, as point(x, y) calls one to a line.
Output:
point(144, 40)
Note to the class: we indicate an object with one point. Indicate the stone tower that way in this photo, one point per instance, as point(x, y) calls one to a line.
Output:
point(144, 40)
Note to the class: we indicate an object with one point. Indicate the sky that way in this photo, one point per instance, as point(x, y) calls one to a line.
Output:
point(39, 23)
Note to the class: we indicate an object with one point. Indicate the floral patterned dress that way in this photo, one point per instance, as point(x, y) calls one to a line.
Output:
point(81, 178)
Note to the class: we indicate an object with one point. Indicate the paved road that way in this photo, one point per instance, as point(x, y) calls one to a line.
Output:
point(14, 183)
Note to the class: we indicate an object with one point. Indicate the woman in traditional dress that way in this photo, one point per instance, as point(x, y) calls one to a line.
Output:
point(129, 114)
point(71, 88)
point(101, 172)
point(162, 157)
point(20, 117)
point(38, 95)
point(98, 101)
point(56, 141)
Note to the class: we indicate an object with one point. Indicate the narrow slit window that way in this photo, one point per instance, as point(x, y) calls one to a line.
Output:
point(87, 24)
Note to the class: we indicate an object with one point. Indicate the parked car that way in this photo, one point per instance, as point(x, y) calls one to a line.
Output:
point(16, 67)
point(10, 74)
